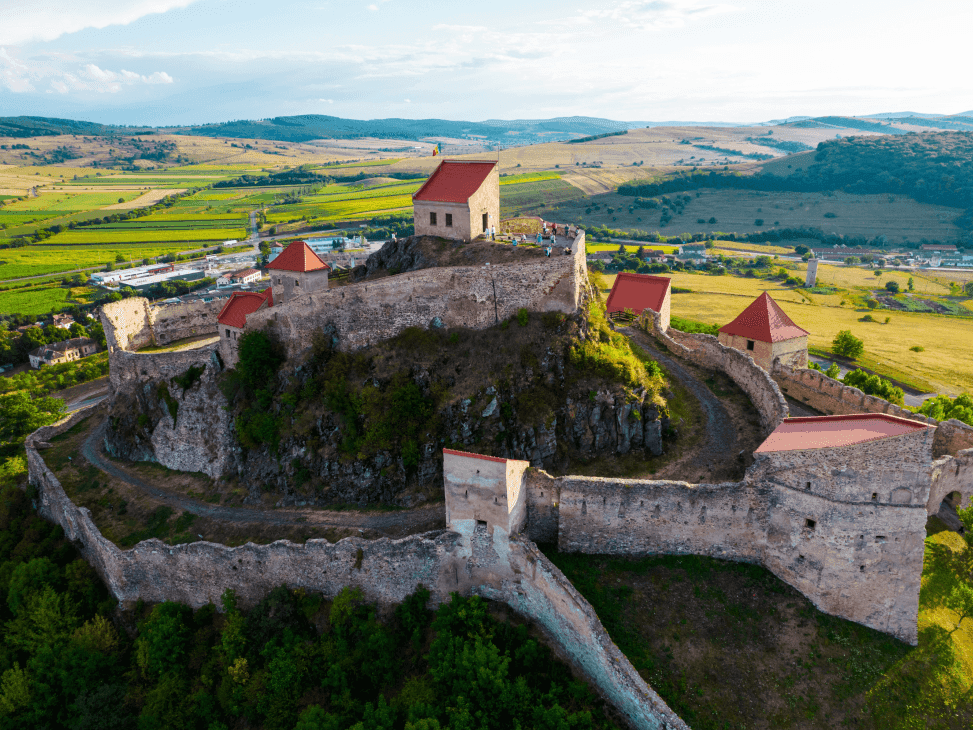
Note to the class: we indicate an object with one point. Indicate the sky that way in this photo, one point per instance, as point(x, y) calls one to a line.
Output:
point(174, 62)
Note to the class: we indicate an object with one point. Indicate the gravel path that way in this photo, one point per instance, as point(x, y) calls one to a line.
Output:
point(719, 443)
point(400, 523)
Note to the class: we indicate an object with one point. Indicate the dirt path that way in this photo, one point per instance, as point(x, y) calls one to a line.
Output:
point(396, 524)
point(716, 456)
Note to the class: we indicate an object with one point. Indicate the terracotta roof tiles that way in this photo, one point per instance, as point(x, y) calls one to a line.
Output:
point(765, 321)
point(297, 257)
point(637, 292)
point(454, 181)
point(235, 311)
point(794, 434)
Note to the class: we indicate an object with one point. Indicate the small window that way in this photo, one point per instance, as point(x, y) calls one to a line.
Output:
point(486, 222)
point(449, 220)
point(297, 282)
point(861, 568)
point(432, 219)
point(481, 523)
point(808, 487)
point(874, 496)
point(228, 333)
point(810, 524)
point(750, 345)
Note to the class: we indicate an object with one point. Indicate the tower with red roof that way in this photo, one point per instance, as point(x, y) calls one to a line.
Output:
point(232, 320)
point(297, 271)
point(460, 200)
point(766, 333)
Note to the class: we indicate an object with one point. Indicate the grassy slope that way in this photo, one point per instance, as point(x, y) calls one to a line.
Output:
point(730, 646)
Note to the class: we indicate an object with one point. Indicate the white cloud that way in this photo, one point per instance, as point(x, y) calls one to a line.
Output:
point(45, 20)
point(373, 8)
point(655, 14)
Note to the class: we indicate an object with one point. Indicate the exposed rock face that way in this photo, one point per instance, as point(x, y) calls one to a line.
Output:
point(192, 430)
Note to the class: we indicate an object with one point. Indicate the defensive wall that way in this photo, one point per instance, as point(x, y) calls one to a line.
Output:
point(707, 352)
point(844, 525)
point(133, 323)
point(362, 314)
point(484, 554)
point(832, 397)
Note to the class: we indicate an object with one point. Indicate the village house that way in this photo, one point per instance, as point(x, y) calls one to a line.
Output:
point(63, 321)
point(244, 276)
point(232, 320)
point(766, 333)
point(66, 351)
point(638, 292)
point(460, 200)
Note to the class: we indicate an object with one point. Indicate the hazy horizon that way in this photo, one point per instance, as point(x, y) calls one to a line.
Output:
point(176, 62)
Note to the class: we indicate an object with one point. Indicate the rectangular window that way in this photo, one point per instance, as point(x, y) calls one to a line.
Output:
point(432, 219)
point(486, 221)
point(750, 345)
point(449, 220)
point(228, 333)
point(810, 524)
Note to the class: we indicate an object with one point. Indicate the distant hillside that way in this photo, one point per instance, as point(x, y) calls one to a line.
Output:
point(316, 126)
point(48, 127)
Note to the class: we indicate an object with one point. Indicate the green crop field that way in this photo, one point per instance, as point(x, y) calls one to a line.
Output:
point(175, 214)
point(94, 235)
point(36, 260)
point(34, 300)
point(529, 177)
point(68, 202)
point(532, 196)
point(362, 194)
point(341, 209)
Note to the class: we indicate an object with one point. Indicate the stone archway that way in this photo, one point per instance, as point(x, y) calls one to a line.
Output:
point(947, 511)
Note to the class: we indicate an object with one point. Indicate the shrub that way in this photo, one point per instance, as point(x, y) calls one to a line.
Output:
point(847, 345)
point(917, 348)
point(874, 385)
point(522, 316)
point(867, 318)
point(892, 286)
point(942, 408)
point(759, 222)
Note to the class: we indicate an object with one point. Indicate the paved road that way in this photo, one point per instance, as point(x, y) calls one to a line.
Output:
point(415, 520)
point(719, 442)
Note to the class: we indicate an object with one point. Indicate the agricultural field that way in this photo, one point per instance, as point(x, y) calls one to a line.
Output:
point(39, 259)
point(36, 300)
point(898, 218)
point(535, 198)
point(96, 235)
point(61, 201)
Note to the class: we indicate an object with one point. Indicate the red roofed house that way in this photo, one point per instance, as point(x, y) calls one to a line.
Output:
point(297, 271)
point(639, 292)
point(763, 331)
point(460, 200)
point(232, 320)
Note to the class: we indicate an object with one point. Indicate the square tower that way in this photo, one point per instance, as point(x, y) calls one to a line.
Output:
point(485, 490)
point(460, 200)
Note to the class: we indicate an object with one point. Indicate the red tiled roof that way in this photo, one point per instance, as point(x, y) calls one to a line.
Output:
point(938, 247)
point(269, 293)
point(484, 457)
point(454, 181)
point(243, 273)
point(637, 292)
point(765, 321)
point(235, 311)
point(297, 257)
point(794, 434)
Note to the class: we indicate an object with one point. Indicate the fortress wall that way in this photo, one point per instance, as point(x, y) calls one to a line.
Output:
point(128, 369)
point(640, 517)
point(468, 561)
point(171, 322)
point(885, 471)
point(859, 562)
point(832, 397)
point(951, 474)
point(707, 352)
point(543, 504)
point(477, 297)
point(127, 324)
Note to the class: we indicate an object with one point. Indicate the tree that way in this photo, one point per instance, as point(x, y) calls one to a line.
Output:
point(892, 286)
point(20, 415)
point(852, 260)
point(847, 345)
point(967, 288)
point(912, 284)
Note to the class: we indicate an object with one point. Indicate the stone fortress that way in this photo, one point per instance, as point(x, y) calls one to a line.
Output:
point(835, 506)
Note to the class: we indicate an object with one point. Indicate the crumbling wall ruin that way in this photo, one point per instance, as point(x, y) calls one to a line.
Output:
point(134, 323)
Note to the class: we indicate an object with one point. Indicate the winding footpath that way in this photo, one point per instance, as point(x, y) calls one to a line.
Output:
point(419, 519)
point(719, 442)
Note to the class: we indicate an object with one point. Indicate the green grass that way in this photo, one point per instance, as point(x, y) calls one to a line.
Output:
point(342, 209)
point(533, 195)
point(95, 235)
point(60, 201)
point(34, 300)
point(728, 645)
point(36, 260)
point(529, 177)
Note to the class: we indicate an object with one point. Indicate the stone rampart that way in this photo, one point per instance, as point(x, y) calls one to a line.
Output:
point(862, 562)
point(467, 560)
point(707, 352)
point(133, 323)
point(128, 369)
point(951, 474)
point(362, 314)
point(831, 397)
